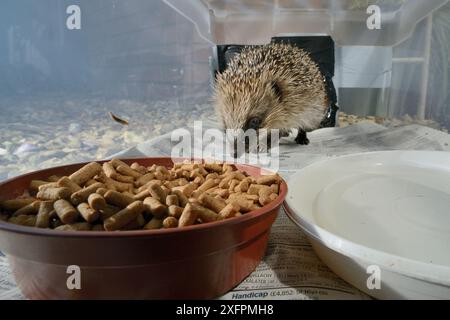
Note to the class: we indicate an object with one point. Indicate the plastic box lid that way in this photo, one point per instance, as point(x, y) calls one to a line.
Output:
point(256, 21)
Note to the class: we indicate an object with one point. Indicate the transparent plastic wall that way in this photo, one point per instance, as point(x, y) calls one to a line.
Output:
point(410, 79)
point(392, 56)
point(149, 63)
point(139, 59)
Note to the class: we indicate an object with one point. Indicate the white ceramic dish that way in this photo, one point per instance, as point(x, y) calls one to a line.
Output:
point(388, 209)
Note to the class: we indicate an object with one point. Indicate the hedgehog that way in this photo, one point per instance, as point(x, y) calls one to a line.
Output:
point(274, 86)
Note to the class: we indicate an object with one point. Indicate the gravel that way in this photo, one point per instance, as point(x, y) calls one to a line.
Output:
point(43, 133)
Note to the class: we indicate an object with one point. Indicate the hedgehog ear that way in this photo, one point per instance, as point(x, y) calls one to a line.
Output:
point(276, 90)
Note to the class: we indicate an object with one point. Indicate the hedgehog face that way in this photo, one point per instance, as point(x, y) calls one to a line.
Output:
point(250, 107)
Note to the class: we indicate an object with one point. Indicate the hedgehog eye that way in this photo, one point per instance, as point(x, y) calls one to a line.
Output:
point(254, 123)
point(276, 90)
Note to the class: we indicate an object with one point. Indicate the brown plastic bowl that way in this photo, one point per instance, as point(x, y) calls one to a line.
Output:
point(197, 262)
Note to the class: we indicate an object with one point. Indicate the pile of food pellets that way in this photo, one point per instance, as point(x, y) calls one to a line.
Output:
point(116, 196)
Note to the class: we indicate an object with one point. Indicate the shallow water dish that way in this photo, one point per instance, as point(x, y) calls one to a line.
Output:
point(195, 262)
point(389, 211)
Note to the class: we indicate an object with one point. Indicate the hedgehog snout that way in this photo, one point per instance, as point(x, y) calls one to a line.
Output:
point(250, 141)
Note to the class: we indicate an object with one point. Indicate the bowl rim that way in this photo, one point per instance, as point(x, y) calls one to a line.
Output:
point(10, 227)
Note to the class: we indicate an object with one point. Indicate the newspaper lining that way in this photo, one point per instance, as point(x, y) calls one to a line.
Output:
point(291, 269)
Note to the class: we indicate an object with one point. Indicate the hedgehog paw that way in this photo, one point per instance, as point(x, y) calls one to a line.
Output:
point(302, 139)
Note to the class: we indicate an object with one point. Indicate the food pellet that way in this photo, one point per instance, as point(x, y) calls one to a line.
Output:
point(188, 216)
point(213, 175)
point(154, 223)
point(212, 203)
point(137, 167)
point(172, 200)
point(43, 216)
point(170, 222)
point(199, 180)
point(84, 174)
point(233, 184)
point(243, 186)
point(124, 216)
point(30, 209)
point(69, 184)
point(182, 199)
point(144, 179)
point(118, 199)
point(117, 162)
point(157, 193)
point(229, 211)
point(136, 224)
point(65, 211)
point(188, 189)
point(227, 168)
point(223, 193)
point(102, 191)
point(204, 214)
point(115, 185)
point(159, 175)
point(244, 204)
point(175, 211)
point(29, 221)
point(96, 201)
point(264, 196)
point(142, 195)
point(254, 188)
point(108, 211)
point(122, 178)
point(108, 169)
point(268, 180)
point(88, 214)
point(48, 186)
point(213, 167)
point(210, 183)
point(127, 171)
point(148, 184)
point(82, 195)
point(90, 183)
point(53, 194)
point(163, 170)
point(155, 207)
point(252, 197)
point(128, 193)
point(180, 181)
